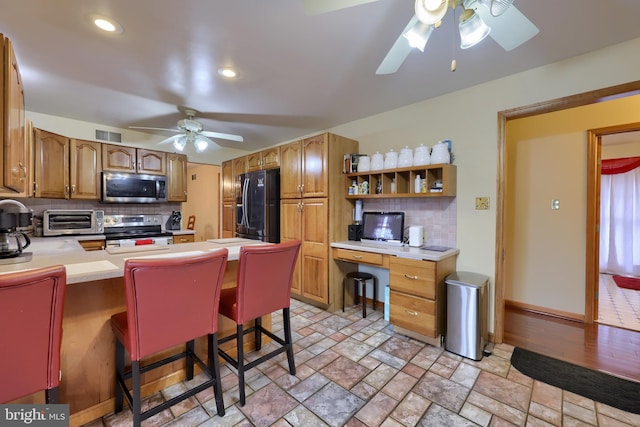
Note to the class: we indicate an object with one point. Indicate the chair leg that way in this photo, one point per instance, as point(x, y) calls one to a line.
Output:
point(375, 293)
point(287, 339)
point(239, 345)
point(363, 285)
point(51, 395)
point(119, 374)
point(214, 368)
point(258, 333)
point(189, 359)
point(344, 287)
point(135, 391)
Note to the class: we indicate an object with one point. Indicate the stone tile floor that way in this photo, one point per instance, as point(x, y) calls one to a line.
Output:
point(357, 372)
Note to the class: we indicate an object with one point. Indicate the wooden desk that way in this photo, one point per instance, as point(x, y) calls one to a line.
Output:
point(417, 288)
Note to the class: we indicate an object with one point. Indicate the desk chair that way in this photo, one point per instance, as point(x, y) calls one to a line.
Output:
point(31, 306)
point(170, 301)
point(264, 286)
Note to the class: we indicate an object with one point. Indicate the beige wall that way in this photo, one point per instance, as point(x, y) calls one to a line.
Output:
point(613, 150)
point(203, 188)
point(546, 160)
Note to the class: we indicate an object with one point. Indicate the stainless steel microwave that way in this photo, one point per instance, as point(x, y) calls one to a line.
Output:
point(120, 187)
point(58, 222)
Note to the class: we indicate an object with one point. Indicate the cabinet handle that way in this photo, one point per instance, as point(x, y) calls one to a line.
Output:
point(24, 172)
point(133, 165)
point(73, 189)
point(66, 189)
point(411, 313)
point(411, 277)
point(357, 256)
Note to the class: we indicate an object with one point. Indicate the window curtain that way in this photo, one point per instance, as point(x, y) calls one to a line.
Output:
point(620, 216)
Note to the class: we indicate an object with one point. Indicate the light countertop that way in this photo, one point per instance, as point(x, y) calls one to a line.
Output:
point(86, 266)
point(399, 251)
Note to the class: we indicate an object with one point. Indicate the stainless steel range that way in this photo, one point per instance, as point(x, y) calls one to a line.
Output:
point(135, 230)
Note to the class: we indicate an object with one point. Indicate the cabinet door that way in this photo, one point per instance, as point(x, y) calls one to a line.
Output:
point(239, 166)
point(117, 158)
point(290, 170)
point(413, 313)
point(14, 144)
point(51, 165)
point(177, 177)
point(85, 163)
point(254, 162)
point(315, 250)
point(271, 158)
point(151, 162)
point(291, 229)
point(415, 277)
point(227, 181)
point(315, 176)
point(228, 219)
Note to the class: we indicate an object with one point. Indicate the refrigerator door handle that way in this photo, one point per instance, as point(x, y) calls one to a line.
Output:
point(245, 193)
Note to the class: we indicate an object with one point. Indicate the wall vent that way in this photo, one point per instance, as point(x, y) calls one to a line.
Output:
point(104, 135)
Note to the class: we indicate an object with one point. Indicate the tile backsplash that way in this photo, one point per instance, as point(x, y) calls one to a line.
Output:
point(437, 215)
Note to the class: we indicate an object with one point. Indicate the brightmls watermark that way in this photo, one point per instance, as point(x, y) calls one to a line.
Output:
point(56, 415)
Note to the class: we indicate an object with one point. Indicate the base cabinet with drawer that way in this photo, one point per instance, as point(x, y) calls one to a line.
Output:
point(183, 238)
point(417, 297)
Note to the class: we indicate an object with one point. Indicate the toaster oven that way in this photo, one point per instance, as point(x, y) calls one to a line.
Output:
point(57, 222)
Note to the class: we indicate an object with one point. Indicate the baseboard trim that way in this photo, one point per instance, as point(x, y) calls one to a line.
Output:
point(545, 311)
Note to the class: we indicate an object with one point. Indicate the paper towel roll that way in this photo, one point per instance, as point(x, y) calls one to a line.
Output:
point(161, 241)
point(358, 215)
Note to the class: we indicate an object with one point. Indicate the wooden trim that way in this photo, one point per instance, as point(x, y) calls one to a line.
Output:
point(565, 315)
point(586, 98)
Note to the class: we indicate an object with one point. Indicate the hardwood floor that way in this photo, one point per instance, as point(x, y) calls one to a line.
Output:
point(600, 347)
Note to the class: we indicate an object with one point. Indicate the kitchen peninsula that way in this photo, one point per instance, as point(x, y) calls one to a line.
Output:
point(95, 291)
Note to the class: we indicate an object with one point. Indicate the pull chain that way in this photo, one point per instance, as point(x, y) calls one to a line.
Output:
point(453, 50)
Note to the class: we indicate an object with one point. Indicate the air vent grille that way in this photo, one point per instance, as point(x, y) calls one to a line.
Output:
point(104, 135)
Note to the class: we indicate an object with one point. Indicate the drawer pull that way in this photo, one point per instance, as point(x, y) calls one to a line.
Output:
point(357, 256)
point(411, 277)
point(411, 313)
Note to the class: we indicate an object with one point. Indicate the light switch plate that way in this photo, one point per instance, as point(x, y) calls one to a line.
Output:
point(482, 203)
point(555, 204)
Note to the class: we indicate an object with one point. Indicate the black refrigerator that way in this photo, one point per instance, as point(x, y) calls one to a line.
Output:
point(258, 205)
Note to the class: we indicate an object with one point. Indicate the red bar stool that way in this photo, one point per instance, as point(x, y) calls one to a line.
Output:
point(170, 301)
point(264, 286)
point(31, 306)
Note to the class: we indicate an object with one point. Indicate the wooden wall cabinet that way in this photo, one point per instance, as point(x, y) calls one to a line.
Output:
point(14, 149)
point(265, 159)
point(228, 200)
point(176, 177)
point(404, 179)
point(66, 168)
point(117, 158)
point(417, 297)
point(314, 210)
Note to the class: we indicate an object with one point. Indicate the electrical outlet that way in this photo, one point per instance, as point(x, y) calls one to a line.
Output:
point(482, 203)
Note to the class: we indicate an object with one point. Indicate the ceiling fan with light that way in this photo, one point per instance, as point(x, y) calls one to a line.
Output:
point(479, 18)
point(190, 131)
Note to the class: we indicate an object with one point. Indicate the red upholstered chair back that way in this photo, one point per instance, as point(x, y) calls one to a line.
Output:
point(172, 300)
point(31, 305)
point(264, 279)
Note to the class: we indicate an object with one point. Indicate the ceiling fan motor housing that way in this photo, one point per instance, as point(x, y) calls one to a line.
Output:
point(190, 125)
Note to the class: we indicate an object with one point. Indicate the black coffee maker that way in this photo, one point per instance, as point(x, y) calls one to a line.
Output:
point(173, 223)
point(13, 215)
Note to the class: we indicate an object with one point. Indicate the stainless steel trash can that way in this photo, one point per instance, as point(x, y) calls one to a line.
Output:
point(466, 330)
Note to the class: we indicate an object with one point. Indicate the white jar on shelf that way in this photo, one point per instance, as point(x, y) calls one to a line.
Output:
point(421, 156)
point(440, 153)
point(391, 159)
point(405, 159)
point(364, 164)
point(377, 162)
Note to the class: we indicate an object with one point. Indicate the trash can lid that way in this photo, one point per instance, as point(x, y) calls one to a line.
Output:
point(466, 278)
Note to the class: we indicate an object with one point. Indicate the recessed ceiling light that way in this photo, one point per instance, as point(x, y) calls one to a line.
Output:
point(106, 24)
point(227, 72)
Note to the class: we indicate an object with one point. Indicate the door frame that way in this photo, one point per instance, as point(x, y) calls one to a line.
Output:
point(572, 101)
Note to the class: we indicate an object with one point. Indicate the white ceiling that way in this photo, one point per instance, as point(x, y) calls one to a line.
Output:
point(299, 74)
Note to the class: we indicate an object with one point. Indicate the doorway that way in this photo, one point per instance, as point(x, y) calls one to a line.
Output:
point(610, 305)
point(503, 218)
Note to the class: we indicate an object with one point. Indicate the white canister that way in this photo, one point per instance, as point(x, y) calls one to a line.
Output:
point(421, 156)
point(377, 161)
point(364, 163)
point(391, 159)
point(440, 153)
point(416, 236)
point(405, 159)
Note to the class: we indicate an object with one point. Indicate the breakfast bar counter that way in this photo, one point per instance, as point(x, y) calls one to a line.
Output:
point(95, 291)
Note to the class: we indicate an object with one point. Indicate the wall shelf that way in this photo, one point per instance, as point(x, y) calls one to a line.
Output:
point(404, 180)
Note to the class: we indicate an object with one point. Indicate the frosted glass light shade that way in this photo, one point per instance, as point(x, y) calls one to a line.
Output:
point(472, 31)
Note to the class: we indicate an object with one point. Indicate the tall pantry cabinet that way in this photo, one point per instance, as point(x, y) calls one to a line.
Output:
point(315, 211)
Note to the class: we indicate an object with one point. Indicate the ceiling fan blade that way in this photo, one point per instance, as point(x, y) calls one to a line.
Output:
point(509, 30)
point(147, 128)
point(316, 7)
point(398, 52)
point(219, 135)
point(170, 139)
